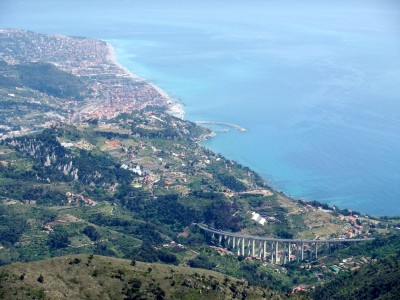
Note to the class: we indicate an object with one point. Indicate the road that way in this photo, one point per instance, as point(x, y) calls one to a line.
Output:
point(258, 238)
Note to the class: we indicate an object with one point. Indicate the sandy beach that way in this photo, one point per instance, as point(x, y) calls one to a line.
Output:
point(112, 57)
point(175, 108)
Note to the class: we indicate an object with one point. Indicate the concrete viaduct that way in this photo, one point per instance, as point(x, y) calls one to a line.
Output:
point(276, 251)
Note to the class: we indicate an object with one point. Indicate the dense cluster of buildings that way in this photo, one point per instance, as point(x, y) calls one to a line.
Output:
point(114, 89)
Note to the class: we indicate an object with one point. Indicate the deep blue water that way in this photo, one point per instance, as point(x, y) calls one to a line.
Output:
point(316, 85)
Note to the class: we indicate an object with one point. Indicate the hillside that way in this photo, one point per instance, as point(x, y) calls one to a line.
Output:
point(379, 280)
point(145, 167)
point(132, 187)
point(43, 77)
point(99, 277)
point(35, 94)
point(110, 172)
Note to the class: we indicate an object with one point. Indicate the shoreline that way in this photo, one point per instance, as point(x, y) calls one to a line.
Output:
point(174, 106)
point(112, 57)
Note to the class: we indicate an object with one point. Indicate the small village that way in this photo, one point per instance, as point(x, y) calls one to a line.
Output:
point(78, 200)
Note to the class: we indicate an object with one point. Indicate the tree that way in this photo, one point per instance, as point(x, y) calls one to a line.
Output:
point(132, 289)
point(167, 258)
point(58, 239)
point(40, 278)
point(220, 214)
point(201, 262)
point(91, 232)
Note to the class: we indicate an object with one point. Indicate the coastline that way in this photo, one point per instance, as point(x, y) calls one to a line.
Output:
point(174, 107)
point(112, 57)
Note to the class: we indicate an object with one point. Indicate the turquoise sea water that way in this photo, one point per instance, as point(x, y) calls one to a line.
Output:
point(316, 85)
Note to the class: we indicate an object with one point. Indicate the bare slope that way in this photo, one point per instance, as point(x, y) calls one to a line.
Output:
point(98, 277)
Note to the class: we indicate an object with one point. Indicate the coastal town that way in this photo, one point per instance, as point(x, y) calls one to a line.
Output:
point(95, 159)
point(112, 88)
point(275, 177)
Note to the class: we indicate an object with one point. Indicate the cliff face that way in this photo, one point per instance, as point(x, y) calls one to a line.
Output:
point(61, 163)
point(48, 152)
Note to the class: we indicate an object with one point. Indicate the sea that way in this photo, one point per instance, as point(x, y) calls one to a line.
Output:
point(315, 83)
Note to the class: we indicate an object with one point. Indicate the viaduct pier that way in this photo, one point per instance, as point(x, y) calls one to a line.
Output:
point(274, 250)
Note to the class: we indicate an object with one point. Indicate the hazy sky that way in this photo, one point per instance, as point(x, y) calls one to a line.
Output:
point(33, 13)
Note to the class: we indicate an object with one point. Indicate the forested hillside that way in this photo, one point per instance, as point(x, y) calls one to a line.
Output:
point(379, 280)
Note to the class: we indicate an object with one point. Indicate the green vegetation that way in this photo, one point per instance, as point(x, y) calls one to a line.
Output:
point(33, 93)
point(91, 232)
point(97, 277)
point(43, 77)
point(381, 247)
point(85, 198)
point(379, 280)
point(132, 187)
point(58, 238)
point(13, 225)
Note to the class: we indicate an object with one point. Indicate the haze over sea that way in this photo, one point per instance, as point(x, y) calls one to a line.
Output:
point(316, 84)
